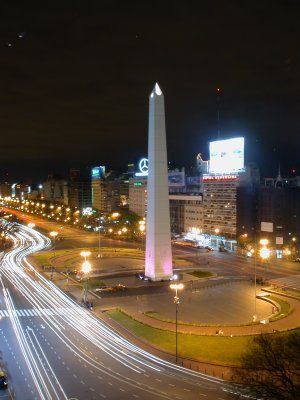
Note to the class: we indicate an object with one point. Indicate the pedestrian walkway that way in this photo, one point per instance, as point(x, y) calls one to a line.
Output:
point(36, 312)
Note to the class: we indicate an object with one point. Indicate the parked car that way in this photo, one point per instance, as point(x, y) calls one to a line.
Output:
point(3, 380)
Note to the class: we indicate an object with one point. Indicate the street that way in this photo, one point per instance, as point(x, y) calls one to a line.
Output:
point(53, 348)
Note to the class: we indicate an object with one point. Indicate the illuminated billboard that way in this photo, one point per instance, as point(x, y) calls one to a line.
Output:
point(226, 156)
point(98, 172)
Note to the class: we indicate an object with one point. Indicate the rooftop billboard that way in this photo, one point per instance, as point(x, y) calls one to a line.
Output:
point(226, 156)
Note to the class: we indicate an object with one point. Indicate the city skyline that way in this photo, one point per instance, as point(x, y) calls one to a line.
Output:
point(72, 80)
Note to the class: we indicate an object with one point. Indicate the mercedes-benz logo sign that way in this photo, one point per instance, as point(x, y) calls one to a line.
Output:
point(143, 165)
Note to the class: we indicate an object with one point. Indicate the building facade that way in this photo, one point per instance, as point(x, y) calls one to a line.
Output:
point(219, 205)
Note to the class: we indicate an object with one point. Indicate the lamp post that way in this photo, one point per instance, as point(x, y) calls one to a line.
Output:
point(264, 252)
point(176, 287)
point(85, 254)
point(86, 269)
point(99, 242)
point(53, 234)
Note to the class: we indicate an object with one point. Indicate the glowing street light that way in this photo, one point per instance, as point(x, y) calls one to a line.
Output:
point(86, 269)
point(217, 231)
point(53, 234)
point(264, 253)
point(176, 287)
point(31, 225)
point(264, 242)
point(294, 239)
point(85, 254)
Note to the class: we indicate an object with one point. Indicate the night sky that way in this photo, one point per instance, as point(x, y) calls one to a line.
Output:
point(74, 89)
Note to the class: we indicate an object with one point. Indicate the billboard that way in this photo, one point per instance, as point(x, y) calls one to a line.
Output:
point(226, 156)
point(98, 172)
point(266, 226)
point(176, 178)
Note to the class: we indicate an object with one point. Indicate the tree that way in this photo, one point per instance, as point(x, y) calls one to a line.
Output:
point(271, 366)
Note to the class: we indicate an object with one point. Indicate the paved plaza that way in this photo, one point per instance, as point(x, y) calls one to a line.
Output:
point(223, 304)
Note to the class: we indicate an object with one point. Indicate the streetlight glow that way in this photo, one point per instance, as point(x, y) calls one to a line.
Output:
point(177, 286)
point(31, 225)
point(86, 267)
point(264, 242)
point(85, 253)
point(264, 253)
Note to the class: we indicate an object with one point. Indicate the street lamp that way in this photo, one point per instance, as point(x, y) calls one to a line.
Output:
point(86, 269)
point(264, 253)
point(176, 287)
point(264, 242)
point(31, 225)
point(85, 254)
point(53, 234)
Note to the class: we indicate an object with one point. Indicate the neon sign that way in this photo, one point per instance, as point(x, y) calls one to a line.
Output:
point(143, 167)
point(219, 178)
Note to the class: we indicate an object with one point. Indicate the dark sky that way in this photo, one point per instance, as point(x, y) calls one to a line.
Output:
point(75, 90)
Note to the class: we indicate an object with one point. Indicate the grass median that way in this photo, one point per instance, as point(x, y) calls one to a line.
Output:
point(217, 349)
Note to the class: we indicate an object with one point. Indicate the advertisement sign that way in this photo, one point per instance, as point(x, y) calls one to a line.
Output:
point(279, 240)
point(143, 167)
point(266, 226)
point(226, 156)
point(98, 172)
point(176, 178)
point(207, 178)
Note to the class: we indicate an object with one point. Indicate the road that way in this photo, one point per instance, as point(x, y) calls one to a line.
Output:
point(228, 264)
point(55, 349)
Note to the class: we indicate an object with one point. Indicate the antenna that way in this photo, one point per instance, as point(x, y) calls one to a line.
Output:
point(218, 95)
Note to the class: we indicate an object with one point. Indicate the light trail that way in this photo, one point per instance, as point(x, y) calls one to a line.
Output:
point(43, 294)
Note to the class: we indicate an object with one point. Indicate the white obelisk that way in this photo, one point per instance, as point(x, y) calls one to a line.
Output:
point(158, 260)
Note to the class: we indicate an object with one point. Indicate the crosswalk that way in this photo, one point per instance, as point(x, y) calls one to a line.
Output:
point(35, 312)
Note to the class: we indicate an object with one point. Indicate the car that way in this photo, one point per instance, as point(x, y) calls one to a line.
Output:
point(3, 380)
point(119, 288)
point(104, 289)
point(297, 259)
point(208, 248)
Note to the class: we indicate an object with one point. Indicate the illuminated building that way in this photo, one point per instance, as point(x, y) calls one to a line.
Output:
point(201, 165)
point(55, 189)
point(138, 196)
point(109, 192)
point(219, 204)
point(186, 212)
point(220, 187)
point(158, 258)
point(274, 204)
point(99, 193)
point(5, 189)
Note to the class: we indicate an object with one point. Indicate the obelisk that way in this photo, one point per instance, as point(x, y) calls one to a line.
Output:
point(158, 260)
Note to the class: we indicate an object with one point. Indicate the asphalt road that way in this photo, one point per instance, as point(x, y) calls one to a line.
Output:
point(53, 348)
point(227, 264)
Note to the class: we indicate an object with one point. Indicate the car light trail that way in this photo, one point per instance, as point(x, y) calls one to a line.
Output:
point(68, 316)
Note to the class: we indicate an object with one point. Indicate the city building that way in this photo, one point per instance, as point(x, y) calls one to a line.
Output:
point(20, 190)
point(5, 189)
point(80, 190)
point(99, 193)
point(55, 189)
point(138, 195)
point(108, 191)
point(226, 164)
point(219, 205)
point(186, 213)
